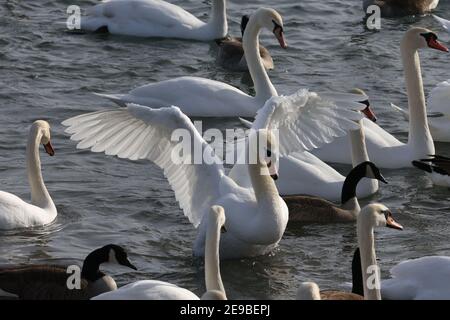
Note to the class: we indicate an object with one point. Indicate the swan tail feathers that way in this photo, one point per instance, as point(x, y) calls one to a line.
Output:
point(245, 122)
point(404, 113)
point(116, 98)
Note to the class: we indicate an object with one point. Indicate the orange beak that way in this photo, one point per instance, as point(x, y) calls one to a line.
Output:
point(369, 114)
point(437, 45)
point(391, 223)
point(278, 32)
point(49, 149)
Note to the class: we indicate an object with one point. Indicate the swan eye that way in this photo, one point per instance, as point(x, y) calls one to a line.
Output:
point(277, 27)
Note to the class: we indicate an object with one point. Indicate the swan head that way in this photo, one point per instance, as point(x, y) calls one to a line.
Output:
point(423, 38)
point(308, 291)
point(271, 20)
point(372, 171)
point(42, 128)
point(367, 111)
point(378, 215)
point(263, 145)
point(217, 218)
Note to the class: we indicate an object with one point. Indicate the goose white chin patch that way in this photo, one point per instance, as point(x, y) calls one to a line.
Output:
point(112, 257)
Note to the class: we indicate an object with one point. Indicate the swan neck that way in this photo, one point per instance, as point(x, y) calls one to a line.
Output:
point(218, 19)
point(358, 144)
point(213, 278)
point(369, 267)
point(419, 132)
point(39, 194)
point(263, 87)
point(262, 183)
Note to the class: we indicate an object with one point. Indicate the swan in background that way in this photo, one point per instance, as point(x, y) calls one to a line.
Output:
point(396, 8)
point(200, 97)
point(155, 18)
point(230, 54)
point(49, 282)
point(302, 173)
point(313, 209)
point(380, 142)
point(445, 23)
point(438, 112)
point(426, 278)
point(159, 290)
point(256, 215)
point(437, 168)
point(371, 216)
point(16, 213)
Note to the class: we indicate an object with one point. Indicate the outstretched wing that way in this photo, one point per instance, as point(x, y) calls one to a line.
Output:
point(307, 120)
point(138, 132)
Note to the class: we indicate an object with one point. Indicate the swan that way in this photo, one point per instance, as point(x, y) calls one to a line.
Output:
point(155, 18)
point(437, 168)
point(159, 290)
point(200, 97)
point(49, 282)
point(256, 215)
point(395, 8)
point(379, 142)
point(313, 209)
point(230, 54)
point(16, 213)
point(302, 173)
point(445, 23)
point(371, 216)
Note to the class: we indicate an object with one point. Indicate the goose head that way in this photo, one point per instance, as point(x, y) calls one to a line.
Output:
point(308, 291)
point(116, 254)
point(367, 111)
point(271, 20)
point(378, 215)
point(264, 144)
point(372, 171)
point(41, 128)
point(423, 38)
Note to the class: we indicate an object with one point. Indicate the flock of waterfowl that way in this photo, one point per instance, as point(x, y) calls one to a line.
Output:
point(244, 212)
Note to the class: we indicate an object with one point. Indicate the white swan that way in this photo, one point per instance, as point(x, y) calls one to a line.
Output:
point(437, 169)
point(256, 215)
point(371, 216)
point(16, 213)
point(426, 278)
point(155, 18)
point(379, 142)
point(445, 23)
point(159, 290)
point(208, 98)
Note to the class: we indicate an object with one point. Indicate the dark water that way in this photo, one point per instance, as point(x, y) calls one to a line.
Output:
point(49, 74)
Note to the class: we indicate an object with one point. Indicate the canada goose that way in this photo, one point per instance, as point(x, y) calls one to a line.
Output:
point(159, 290)
point(395, 8)
point(371, 216)
point(16, 213)
point(50, 282)
point(231, 52)
point(313, 209)
point(437, 168)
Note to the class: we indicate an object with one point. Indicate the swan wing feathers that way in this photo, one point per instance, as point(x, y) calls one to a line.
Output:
point(439, 99)
point(307, 120)
point(445, 23)
point(138, 132)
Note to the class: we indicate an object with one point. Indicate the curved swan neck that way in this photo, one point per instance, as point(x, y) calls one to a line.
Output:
point(217, 23)
point(263, 87)
point(39, 194)
point(419, 132)
point(369, 267)
point(263, 184)
point(213, 278)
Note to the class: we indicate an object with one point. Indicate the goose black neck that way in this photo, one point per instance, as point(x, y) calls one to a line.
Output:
point(351, 182)
point(357, 278)
point(91, 266)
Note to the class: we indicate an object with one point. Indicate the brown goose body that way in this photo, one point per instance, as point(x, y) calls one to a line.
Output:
point(395, 8)
point(339, 295)
point(231, 55)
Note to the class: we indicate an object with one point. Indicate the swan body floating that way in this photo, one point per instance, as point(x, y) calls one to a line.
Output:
point(256, 215)
point(437, 169)
point(313, 209)
point(16, 213)
point(155, 18)
point(200, 97)
point(230, 53)
point(379, 142)
point(49, 282)
point(159, 290)
point(395, 8)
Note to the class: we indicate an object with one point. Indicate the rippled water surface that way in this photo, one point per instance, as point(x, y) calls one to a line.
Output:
point(46, 73)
